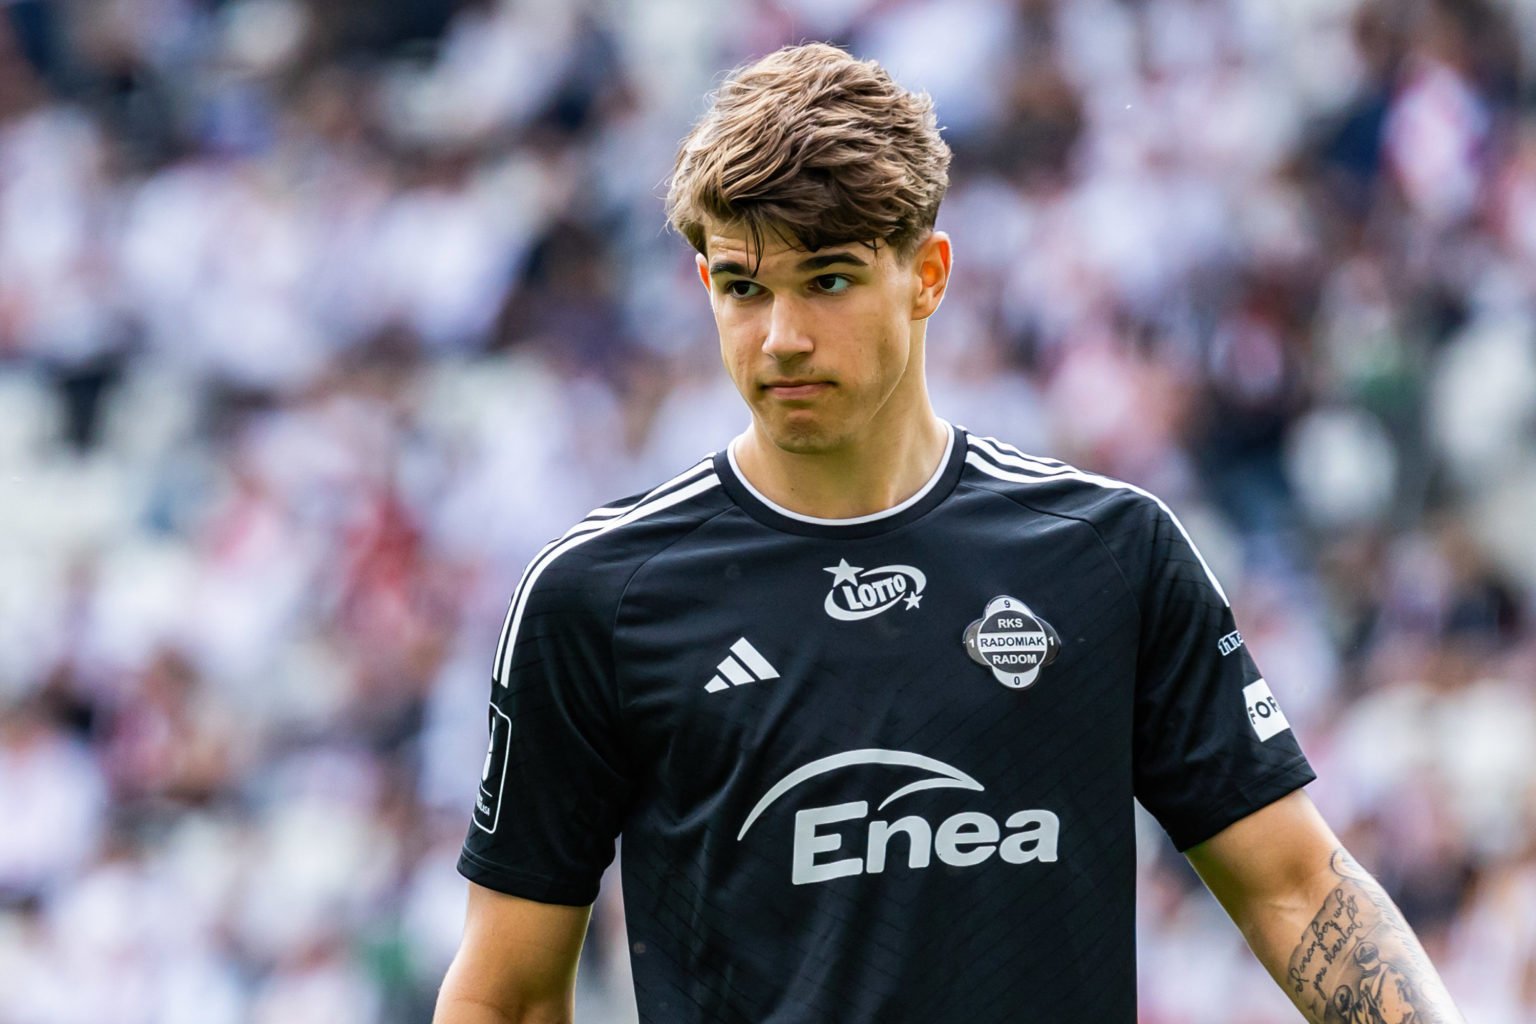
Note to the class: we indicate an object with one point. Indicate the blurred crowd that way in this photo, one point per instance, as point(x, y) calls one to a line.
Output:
point(318, 317)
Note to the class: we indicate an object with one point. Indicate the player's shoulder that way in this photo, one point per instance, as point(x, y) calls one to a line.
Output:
point(611, 539)
point(578, 579)
point(1136, 526)
point(1053, 487)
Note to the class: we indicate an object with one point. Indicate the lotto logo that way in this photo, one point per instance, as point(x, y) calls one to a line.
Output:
point(859, 593)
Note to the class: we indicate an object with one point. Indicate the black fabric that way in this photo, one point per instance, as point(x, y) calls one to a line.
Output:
point(723, 687)
point(1200, 765)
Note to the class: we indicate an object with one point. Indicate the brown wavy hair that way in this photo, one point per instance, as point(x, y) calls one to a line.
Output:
point(817, 148)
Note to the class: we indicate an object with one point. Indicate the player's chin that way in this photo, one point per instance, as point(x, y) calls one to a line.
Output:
point(802, 434)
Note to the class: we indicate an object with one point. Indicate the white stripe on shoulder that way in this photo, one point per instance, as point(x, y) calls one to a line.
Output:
point(1004, 448)
point(574, 539)
point(593, 520)
point(609, 511)
point(1102, 481)
point(1007, 453)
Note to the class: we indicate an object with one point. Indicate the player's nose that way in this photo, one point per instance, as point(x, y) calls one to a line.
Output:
point(787, 335)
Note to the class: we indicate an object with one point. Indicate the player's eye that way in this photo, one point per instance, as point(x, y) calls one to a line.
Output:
point(832, 284)
point(742, 289)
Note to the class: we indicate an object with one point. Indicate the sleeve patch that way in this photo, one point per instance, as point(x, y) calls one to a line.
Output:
point(493, 776)
point(1264, 712)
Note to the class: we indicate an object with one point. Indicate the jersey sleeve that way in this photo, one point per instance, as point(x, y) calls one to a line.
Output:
point(554, 783)
point(1211, 743)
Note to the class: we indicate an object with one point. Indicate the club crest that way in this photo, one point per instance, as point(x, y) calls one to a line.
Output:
point(1012, 641)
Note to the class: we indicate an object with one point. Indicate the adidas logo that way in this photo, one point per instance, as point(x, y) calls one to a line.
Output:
point(743, 665)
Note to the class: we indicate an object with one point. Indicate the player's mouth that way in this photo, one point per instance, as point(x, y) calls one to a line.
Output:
point(796, 389)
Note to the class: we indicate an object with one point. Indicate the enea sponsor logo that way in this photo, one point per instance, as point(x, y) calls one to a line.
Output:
point(837, 840)
point(859, 593)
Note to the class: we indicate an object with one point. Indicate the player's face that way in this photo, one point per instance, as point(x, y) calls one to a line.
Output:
point(821, 344)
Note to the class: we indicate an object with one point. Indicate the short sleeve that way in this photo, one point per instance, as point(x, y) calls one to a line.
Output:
point(554, 785)
point(1211, 743)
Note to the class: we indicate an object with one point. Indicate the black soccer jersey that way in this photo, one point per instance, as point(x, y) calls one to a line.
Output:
point(876, 769)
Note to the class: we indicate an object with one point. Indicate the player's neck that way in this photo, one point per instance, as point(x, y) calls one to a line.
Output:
point(863, 478)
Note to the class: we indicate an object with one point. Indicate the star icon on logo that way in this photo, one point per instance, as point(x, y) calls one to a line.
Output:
point(842, 572)
point(913, 600)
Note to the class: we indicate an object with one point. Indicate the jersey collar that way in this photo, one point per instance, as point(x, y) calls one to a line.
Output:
point(760, 507)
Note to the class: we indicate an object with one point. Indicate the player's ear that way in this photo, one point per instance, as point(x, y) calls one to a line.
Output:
point(930, 268)
point(703, 265)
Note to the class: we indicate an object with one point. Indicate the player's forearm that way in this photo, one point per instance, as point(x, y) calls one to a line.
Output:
point(1351, 952)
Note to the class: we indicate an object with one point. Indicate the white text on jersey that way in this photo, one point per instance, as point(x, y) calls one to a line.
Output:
point(960, 840)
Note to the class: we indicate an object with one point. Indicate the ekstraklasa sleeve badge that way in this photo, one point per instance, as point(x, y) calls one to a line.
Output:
point(1012, 641)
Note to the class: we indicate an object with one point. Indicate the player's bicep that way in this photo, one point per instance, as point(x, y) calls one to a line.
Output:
point(1268, 858)
point(516, 962)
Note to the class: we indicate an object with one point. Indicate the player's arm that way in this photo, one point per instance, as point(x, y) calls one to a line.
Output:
point(1320, 924)
point(516, 963)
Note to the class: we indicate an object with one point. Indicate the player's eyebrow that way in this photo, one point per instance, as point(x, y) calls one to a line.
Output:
point(831, 259)
point(819, 262)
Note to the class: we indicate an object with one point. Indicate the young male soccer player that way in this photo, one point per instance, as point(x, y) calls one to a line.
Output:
point(869, 698)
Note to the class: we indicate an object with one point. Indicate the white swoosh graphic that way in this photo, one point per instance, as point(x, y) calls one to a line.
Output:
point(953, 778)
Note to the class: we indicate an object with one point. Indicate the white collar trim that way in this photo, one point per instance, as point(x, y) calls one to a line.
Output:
point(938, 473)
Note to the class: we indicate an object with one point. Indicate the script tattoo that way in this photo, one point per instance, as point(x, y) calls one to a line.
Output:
point(1359, 963)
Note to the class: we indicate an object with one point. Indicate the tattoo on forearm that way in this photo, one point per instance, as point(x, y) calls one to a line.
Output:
point(1358, 962)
